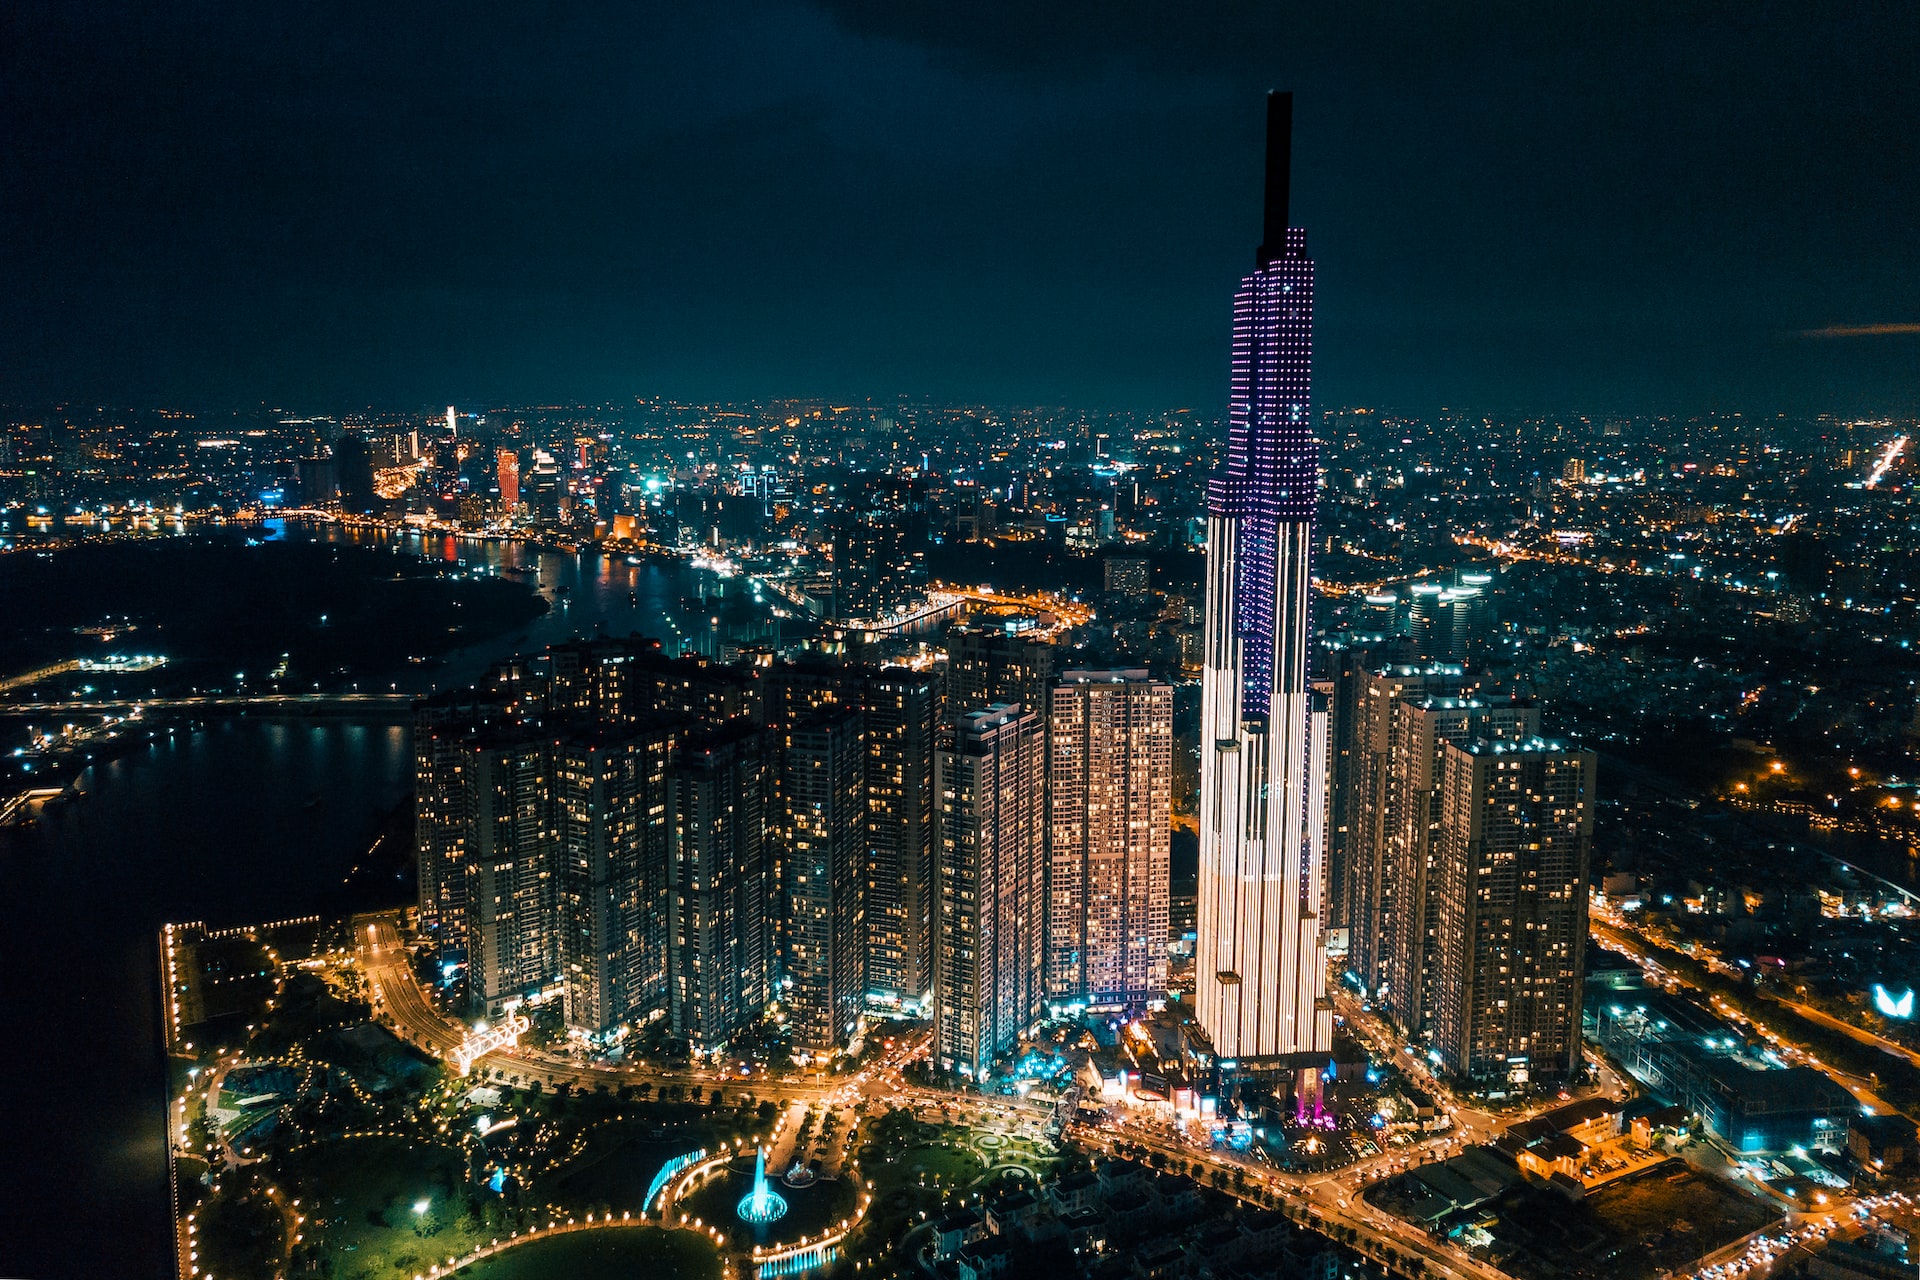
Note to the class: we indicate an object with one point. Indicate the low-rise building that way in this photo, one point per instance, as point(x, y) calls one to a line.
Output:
point(956, 1230)
point(984, 1259)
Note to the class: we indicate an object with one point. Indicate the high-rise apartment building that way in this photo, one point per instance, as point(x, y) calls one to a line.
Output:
point(629, 679)
point(546, 488)
point(570, 848)
point(902, 716)
point(440, 824)
point(1109, 823)
point(899, 712)
point(988, 983)
point(1260, 958)
point(989, 665)
point(1515, 840)
point(872, 565)
point(720, 884)
point(513, 930)
point(542, 857)
point(611, 801)
point(823, 789)
point(1400, 964)
point(1364, 701)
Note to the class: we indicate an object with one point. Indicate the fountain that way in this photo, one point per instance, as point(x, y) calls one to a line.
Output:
point(762, 1204)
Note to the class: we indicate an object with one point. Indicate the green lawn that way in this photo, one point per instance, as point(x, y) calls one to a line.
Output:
point(953, 1166)
point(618, 1253)
point(359, 1197)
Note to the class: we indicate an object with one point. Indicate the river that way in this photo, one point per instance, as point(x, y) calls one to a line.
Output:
point(234, 822)
point(591, 593)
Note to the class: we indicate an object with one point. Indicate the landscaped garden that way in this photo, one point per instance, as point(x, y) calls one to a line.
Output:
point(613, 1253)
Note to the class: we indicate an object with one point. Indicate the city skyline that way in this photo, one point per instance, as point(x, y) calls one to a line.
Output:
point(815, 742)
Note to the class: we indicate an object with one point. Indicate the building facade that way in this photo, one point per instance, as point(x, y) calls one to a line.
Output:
point(1408, 925)
point(720, 885)
point(902, 715)
point(823, 787)
point(1362, 769)
point(1109, 826)
point(1260, 958)
point(512, 931)
point(988, 666)
point(611, 800)
point(440, 825)
point(1515, 841)
point(988, 982)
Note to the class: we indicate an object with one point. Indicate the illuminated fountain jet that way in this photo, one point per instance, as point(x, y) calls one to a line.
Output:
point(762, 1204)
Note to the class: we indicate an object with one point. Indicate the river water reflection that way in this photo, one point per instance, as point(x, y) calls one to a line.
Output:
point(590, 593)
point(235, 821)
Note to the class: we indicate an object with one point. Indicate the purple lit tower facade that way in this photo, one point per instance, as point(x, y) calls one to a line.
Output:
point(1261, 965)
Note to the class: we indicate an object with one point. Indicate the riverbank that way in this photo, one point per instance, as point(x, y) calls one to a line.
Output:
point(234, 821)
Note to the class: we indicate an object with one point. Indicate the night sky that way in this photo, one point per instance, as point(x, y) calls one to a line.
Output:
point(1594, 207)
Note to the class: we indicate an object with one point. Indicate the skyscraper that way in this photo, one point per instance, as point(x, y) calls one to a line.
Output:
point(823, 787)
point(1365, 702)
point(1516, 837)
point(546, 488)
point(719, 934)
point(1260, 962)
point(513, 933)
point(988, 665)
point(610, 797)
point(1402, 935)
point(987, 972)
point(440, 823)
point(1109, 822)
point(902, 711)
point(353, 472)
point(508, 478)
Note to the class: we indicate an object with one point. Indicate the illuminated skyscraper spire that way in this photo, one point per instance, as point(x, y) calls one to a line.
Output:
point(1261, 961)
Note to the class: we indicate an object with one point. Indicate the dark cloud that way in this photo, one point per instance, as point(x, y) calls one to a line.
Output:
point(1861, 331)
point(1540, 205)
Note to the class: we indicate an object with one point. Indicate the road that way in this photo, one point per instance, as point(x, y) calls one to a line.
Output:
point(397, 998)
point(1861, 1034)
point(1332, 1199)
point(1629, 942)
point(1325, 1202)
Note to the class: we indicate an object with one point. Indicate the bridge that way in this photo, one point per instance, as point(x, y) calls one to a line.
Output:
point(502, 1035)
